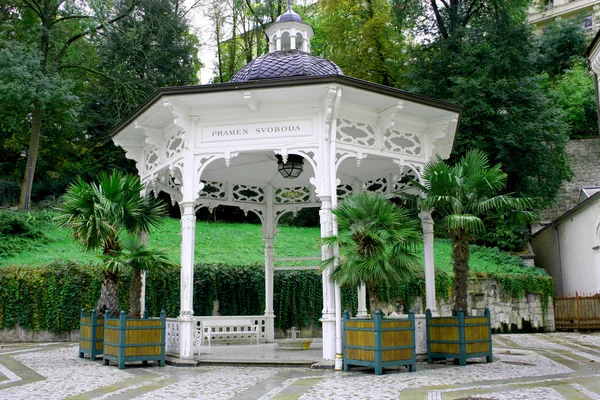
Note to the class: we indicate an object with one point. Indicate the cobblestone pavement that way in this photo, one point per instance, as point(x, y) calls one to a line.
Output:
point(552, 366)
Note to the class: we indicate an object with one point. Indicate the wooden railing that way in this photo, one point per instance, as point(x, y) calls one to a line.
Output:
point(379, 343)
point(577, 312)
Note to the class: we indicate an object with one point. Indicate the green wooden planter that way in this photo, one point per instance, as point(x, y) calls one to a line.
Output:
point(128, 339)
point(459, 337)
point(379, 342)
point(91, 335)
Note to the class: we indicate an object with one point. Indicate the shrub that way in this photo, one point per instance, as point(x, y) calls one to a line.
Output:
point(51, 297)
point(9, 193)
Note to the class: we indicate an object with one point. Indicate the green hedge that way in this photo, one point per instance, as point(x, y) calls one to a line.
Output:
point(51, 298)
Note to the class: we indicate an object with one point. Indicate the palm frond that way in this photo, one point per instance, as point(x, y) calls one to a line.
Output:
point(467, 223)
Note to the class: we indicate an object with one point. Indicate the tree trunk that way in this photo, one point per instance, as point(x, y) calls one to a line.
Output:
point(135, 294)
point(108, 295)
point(373, 298)
point(34, 144)
point(460, 254)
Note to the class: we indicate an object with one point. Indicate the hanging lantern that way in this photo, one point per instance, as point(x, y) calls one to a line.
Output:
point(292, 168)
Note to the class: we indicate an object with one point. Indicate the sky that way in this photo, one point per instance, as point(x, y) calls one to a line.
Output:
point(201, 26)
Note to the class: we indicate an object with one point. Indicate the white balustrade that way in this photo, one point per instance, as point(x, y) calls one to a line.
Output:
point(263, 322)
point(172, 336)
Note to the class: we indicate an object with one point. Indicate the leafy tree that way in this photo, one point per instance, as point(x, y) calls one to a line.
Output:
point(376, 243)
point(60, 31)
point(98, 215)
point(557, 46)
point(136, 257)
point(488, 66)
point(360, 38)
point(574, 92)
point(69, 70)
point(461, 195)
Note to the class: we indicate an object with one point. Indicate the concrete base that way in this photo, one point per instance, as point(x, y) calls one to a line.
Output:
point(293, 344)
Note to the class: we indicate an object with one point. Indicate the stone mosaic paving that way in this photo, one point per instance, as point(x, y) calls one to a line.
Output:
point(553, 366)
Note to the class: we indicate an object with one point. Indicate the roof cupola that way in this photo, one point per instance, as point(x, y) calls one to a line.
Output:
point(289, 32)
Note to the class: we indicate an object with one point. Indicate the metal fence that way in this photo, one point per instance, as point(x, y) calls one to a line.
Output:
point(579, 312)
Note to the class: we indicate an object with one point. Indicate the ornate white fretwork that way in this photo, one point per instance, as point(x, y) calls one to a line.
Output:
point(409, 143)
point(250, 194)
point(151, 159)
point(355, 132)
point(378, 185)
point(344, 191)
point(404, 181)
point(297, 194)
point(213, 190)
point(175, 145)
point(168, 180)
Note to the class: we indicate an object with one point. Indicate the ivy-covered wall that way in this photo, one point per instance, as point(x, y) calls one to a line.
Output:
point(51, 298)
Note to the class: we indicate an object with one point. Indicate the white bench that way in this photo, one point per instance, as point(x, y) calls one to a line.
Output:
point(227, 329)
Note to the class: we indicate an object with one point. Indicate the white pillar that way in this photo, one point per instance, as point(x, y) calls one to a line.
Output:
point(427, 223)
point(269, 269)
point(143, 294)
point(269, 237)
point(362, 312)
point(144, 240)
point(188, 236)
point(328, 317)
point(339, 355)
point(362, 301)
point(292, 42)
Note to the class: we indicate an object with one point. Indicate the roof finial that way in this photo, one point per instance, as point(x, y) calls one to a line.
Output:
point(289, 5)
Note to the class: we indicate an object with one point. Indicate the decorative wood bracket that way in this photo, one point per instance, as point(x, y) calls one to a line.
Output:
point(250, 100)
point(387, 117)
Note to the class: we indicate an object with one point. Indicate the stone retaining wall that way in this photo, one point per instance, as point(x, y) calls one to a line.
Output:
point(507, 314)
point(584, 157)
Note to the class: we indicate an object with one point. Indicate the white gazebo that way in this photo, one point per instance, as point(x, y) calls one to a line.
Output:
point(285, 113)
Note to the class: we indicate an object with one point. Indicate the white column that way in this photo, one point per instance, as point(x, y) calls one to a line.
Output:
point(362, 311)
point(188, 235)
point(278, 43)
point(292, 41)
point(328, 318)
point(143, 294)
point(269, 269)
point(144, 240)
point(427, 223)
point(269, 238)
point(362, 301)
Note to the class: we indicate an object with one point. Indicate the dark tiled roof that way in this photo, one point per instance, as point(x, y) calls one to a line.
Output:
point(289, 15)
point(286, 63)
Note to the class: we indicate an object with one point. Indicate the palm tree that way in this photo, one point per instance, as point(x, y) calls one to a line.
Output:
point(136, 257)
point(99, 213)
point(461, 194)
point(376, 243)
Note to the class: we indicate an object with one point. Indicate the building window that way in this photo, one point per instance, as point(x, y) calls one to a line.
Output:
point(588, 23)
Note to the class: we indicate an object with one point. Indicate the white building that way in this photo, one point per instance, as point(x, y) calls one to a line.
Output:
point(543, 12)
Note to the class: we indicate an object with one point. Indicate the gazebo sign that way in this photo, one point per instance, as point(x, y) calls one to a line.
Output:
point(271, 130)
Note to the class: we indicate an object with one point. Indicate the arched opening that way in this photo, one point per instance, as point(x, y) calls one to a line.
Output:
point(286, 41)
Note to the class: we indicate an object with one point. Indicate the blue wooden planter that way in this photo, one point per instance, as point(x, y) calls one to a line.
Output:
point(91, 335)
point(134, 339)
point(459, 337)
point(379, 342)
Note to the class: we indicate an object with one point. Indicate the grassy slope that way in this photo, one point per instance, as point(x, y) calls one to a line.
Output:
point(239, 244)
